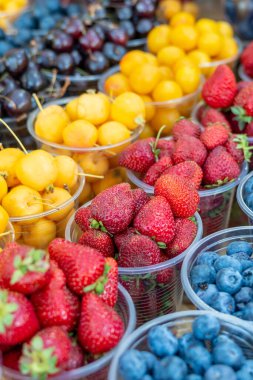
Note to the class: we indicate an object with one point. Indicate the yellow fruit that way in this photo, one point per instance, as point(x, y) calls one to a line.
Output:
point(113, 177)
point(147, 132)
point(3, 187)
point(37, 170)
point(188, 78)
point(225, 29)
point(112, 133)
point(95, 163)
point(67, 170)
point(86, 195)
point(4, 218)
point(50, 123)
point(8, 159)
point(94, 108)
point(144, 78)
point(22, 201)
point(229, 48)
point(40, 233)
point(185, 61)
point(71, 109)
point(55, 199)
point(170, 55)
point(191, 7)
point(151, 59)
point(184, 18)
point(184, 36)
point(17, 230)
point(206, 25)
point(128, 109)
point(116, 84)
point(199, 57)
point(150, 109)
point(158, 38)
point(165, 72)
point(130, 60)
point(210, 43)
point(169, 8)
point(167, 90)
point(80, 134)
point(165, 116)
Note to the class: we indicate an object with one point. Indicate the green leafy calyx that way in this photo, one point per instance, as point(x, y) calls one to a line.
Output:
point(241, 116)
point(243, 144)
point(7, 311)
point(99, 286)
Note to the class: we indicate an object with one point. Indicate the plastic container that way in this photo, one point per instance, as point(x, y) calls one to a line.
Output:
point(156, 290)
point(240, 199)
point(243, 76)
point(181, 323)
point(99, 368)
point(8, 236)
point(216, 242)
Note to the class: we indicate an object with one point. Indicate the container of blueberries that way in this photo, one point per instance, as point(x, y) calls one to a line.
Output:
point(190, 345)
point(245, 196)
point(217, 273)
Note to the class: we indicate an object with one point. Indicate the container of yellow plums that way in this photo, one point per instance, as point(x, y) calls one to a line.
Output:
point(92, 129)
point(39, 193)
point(10, 10)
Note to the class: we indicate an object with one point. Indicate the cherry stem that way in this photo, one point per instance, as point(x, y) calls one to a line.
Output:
point(14, 135)
point(6, 233)
point(38, 102)
point(39, 201)
point(91, 175)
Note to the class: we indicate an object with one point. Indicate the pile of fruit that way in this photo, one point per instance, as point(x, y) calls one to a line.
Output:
point(207, 352)
point(225, 282)
point(169, 8)
point(56, 318)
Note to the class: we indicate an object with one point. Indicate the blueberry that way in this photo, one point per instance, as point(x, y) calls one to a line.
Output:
point(193, 376)
point(239, 246)
point(244, 259)
point(132, 365)
point(5, 47)
point(47, 22)
point(247, 277)
point(223, 302)
point(2, 34)
point(185, 341)
point(246, 372)
point(207, 258)
point(26, 21)
point(229, 280)
point(206, 327)
point(249, 201)
point(247, 312)
point(170, 368)
point(244, 295)
point(207, 294)
point(240, 306)
point(162, 342)
point(248, 187)
point(220, 372)
point(229, 354)
point(227, 262)
point(147, 377)
point(202, 274)
point(222, 339)
point(21, 38)
point(149, 358)
point(198, 359)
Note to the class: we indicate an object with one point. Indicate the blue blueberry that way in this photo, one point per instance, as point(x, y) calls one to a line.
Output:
point(207, 293)
point(150, 359)
point(202, 274)
point(244, 259)
point(248, 187)
point(206, 327)
point(193, 376)
point(222, 338)
point(246, 372)
point(147, 377)
point(198, 359)
point(185, 342)
point(229, 354)
point(247, 312)
point(240, 306)
point(224, 303)
point(207, 258)
point(238, 247)
point(227, 262)
point(132, 365)
point(244, 295)
point(247, 277)
point(170, 368)
point(220, 372)
point(229, 280)
point(249, 200)
point(162, 342)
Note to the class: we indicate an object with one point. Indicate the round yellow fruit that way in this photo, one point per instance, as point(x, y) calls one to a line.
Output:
point(128, 109)
point(54, 200)
point(170, 55)
point(206, 25)
point(95, 163)
point(158, 38)
point(4, 218)
point(116, 84)
point(229, 48)
point(225, 29)
point(50, 123)
point(144, 78)
point(168, 8)
point(150, 108)
point(80, 134)
point(188, 78)
point(199, 57)
point(112, 133)
point(210, 43)
point(167, 90)
point(184, 18)
point(22, 201)
point(71, 109)
point(87, 194)
point(166, 72)
point(165, 116)
point(3, 188)
point(67, 172)
point(8, 160)
point(185, 37)
point(130, 60)
point(94, 108)
point(148, 131)
point(113, 177)
point(40, 233)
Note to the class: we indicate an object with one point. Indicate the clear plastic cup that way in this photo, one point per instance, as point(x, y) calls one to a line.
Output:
point(240, 199)
point(156, 289)
point(216, 242)
point(243, 76)
point(181, 323)
point(98, 369)
point(8, 236)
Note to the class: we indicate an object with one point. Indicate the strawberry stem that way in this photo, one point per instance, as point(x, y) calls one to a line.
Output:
point(154, 144)
point(241, 116)
point(7, 311)
point(243, 144)
point(98, 225)
point(99, 285)
point(161, 245)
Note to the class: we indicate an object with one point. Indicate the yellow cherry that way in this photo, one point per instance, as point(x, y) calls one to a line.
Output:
point(40, 233)
point(8, 159)
point(67, 170)
point(50, 123)
point(4, 218)
point(113, 177)
point(94, 108)
point(3, 188)
point(112, 132)
point(93, 163)
point(55, 199)
point(71, 109)
point(128, 109)
point(80, 134)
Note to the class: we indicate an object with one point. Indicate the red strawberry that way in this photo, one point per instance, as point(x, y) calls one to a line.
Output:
point(214, 135)
point(76, 357)
point(247, 59)
point(249, 129)
point(164, 276)
point(211, 116)
point(241, 85)
point(140, 199)
point(82, 218)
point(156, 220)
point(185, 127)
point(100, 328)
point(244, 99)
point(180, 193)
point(110, 292)
point(55, 305)
point(98, 240)
point(138, 251)
point(220, 167)
point(18, 319)
point(189, 148)
point(220, 89)
point(120, 239)
point(11, 359)
point(23, 269)
point(189, 170)
point(46, 353)
point(166, 147)
point(186, 231)
point(156, 170)
point(138, 156)
point(113, 208)
point(233, 147)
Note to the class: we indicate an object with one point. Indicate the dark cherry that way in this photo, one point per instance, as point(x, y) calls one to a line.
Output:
point(124, 13)
point(59, 41)
point(2, 67)
point(65, 63)
point(129, 28)
point(16, 61)
point(18, 103)
point(114, 52)
point(74, 27)
point(144, 26)
point(8, 85)
point(118, 36)
point(76, 57)
point(96, 63)
point(22, 38)
point(33, 80)
point(47, 58)
point(99, 30)
point(145, 8)
point(47, 23)
point(90, 41)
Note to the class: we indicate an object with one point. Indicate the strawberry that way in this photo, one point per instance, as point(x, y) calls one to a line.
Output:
point(166, 147)
point(236, 145)
point(156, 220)
point(46, 353)
point(138, 156)
point(138, 251)
point(211, 116)
point(249, 129)
point(55, 305)
point(156, 170)
point(189, 148)
point(11, 359)
point(164, 276)
point(110, 292)
point(185, 127)
point(241, 85)
point(220, 88)
point(76, 357)
point(23, 269)
point(190, 170)
point(214, 135)
point(120, 239)
point(186, 231)
point(180, 193)
point(83, 217)
point(140, 199)
point(99, 240)
point(113, 209)
point(247, 59)
point(244, 100)
point(18, 319)
point(100, 328)
point(220, 167)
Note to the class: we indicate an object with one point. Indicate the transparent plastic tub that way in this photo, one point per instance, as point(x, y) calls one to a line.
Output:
point(156, 290)
point(98, 369)
point(181, 323)
point(240, 199)
point(216, 242)
point(243, 76)
point(8, 236)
